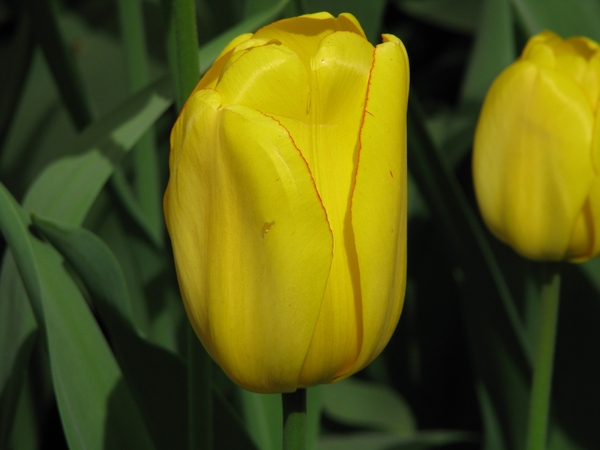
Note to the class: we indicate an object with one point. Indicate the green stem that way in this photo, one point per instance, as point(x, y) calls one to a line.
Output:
point(544, 360)
point(300, 7)
point(147, 180)
point(200, 399)
point(294, 420)
point(182, 46)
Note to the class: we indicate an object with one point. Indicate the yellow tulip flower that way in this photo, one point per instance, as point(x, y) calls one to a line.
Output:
point(537, 148)
point(286, 202)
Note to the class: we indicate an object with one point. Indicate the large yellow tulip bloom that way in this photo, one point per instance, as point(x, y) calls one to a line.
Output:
point(537, 149)
point(286, 203)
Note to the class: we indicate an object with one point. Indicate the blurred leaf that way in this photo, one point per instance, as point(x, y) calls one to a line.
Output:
point(264, 418)
point(371, 405)
point(385, 441)
point(559, 440)
point(257, 6)
point(24, 435)
point(457, 15)
point(591, 270)
point(71, 185)
point(572, 18)
point(229, 430)
point(13, 224)
point(49, 36)
point(156, 377)
point(38, 132)
point(130, 202)
point(18, 329)
point(494, 49)
point(95, 264)
point(100, 272)
point(18, 334)
point(148, 211)
point(113, 231)
point(210, 51)
point(42, 131)
point(575, 394)
point(314, 405)
point(17, 55)
point(369, 14)
point(464, 233)
point(95, 408)
point(453, 129)
point(492, 438)
point(500, 348)
point(68, 187)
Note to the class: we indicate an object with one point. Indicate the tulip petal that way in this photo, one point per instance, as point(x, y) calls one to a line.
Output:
point(251, 239)
point(270, 78)
point(209, 80)
point(304, 34)
point(530, 191)
point(379, 199)
point(329, 142)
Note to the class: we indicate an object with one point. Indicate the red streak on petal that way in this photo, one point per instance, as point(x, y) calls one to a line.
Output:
point(362, 124)
point(312, 178)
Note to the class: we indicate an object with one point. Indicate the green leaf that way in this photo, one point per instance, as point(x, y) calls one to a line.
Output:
point(102, 275)
point(156, 377)
point(492, 436)
point(13, 223)
point(24, 434)
point(49, 36)
point(457, 15)
point(314, 406)
point(572, 18)
point(18, 329)
point(264, 418)
point(67, 188)
point(130, 202)
point(18, 56)
point(494, 49)
point(95, 264)
point(499, 345)
point(369, 14)
point(148, 211)
point(229, 431)
point(210, 51)
point(371, 405)
point(96, 407)
point(387, 441)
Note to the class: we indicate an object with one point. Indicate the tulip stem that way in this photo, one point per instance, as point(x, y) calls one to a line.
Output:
point(539, 409)
point(294, 420)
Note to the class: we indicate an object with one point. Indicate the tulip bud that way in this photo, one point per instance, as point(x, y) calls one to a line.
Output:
point(536, 151)
point(286, 202)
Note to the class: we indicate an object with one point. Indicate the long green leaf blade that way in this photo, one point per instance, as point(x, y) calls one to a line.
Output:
point(67, 188)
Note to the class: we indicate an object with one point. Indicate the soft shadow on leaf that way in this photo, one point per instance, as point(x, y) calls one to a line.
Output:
point(386, 441)
point(371, 405)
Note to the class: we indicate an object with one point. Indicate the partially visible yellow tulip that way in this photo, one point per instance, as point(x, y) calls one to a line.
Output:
point(286, 203)
point(537, 151)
